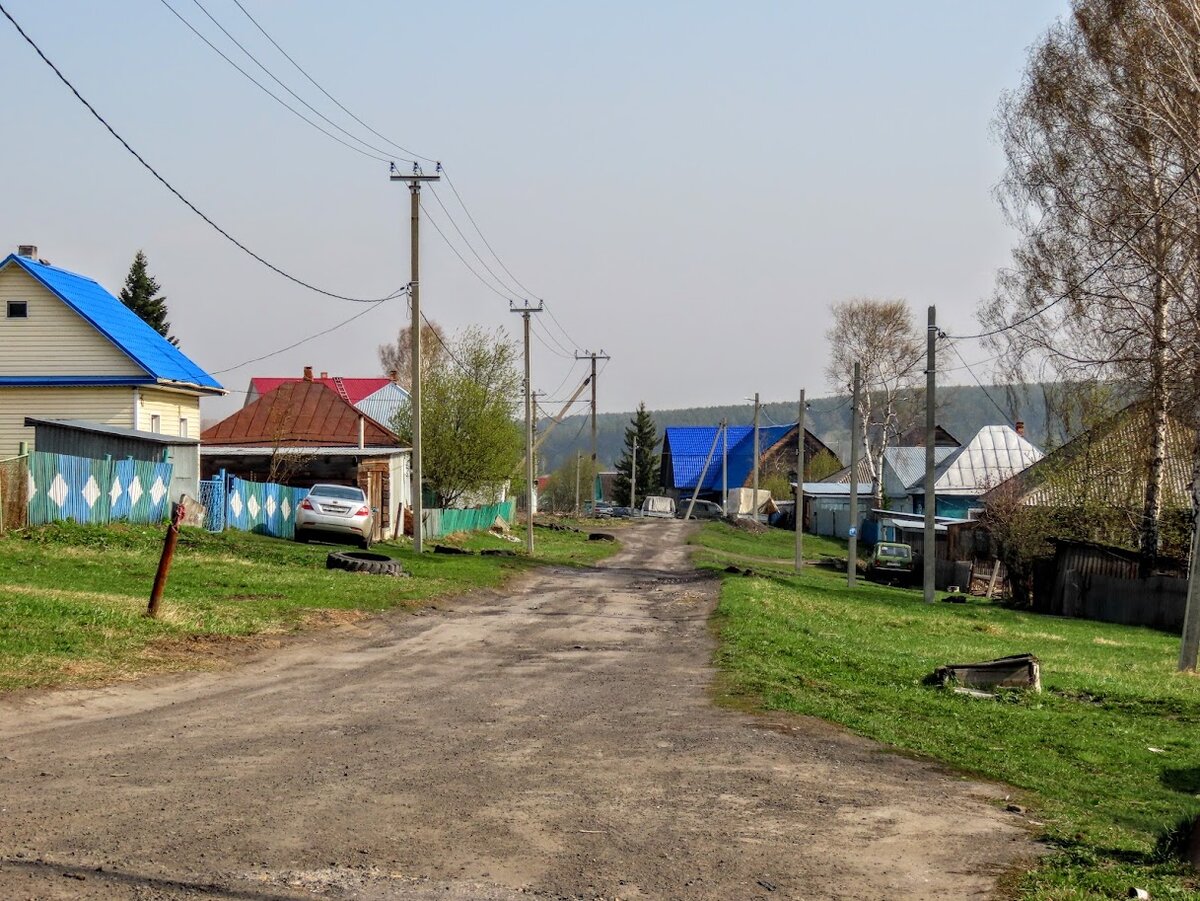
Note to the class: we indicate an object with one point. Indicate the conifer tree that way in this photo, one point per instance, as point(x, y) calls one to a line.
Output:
point(643, 429)
point(141, 295)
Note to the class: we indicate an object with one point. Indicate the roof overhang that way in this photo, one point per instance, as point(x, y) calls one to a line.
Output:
point(258, 450)
point(100, 428)
point(73, 381)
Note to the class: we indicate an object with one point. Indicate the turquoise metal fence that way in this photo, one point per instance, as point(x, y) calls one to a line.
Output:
point(441, 521)
point(262, 507)
point(96, 491)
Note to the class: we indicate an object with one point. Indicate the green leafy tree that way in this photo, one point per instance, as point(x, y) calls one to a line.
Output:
point(141, 295)
point(642, 429)
point(470, 437)
point(560, 492)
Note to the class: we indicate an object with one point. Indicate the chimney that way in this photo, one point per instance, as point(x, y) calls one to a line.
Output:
point(29, 251)
point(324, 375)
point(394, 375)
point(308, 373)
point(1020, 427)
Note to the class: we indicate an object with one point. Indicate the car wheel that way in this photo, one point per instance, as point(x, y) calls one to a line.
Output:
point(365, 543)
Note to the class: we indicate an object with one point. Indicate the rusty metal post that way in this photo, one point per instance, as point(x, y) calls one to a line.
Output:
point(164, 564)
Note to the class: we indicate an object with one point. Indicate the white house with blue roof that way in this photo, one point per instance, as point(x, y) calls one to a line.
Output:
point(71, 350)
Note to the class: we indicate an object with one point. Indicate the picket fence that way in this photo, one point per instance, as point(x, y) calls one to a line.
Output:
point(62, 487)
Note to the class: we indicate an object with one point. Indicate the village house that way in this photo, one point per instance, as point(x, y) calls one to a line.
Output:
point(73, 351)
point(303, 432)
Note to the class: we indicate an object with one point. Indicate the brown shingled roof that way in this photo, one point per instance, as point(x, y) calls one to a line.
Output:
point(297, 414)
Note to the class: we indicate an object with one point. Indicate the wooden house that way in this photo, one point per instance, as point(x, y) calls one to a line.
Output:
point(73, 351)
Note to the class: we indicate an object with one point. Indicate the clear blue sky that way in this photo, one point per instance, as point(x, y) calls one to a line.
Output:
point(688, 184)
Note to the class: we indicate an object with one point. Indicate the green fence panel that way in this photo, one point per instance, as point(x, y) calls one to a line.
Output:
point(446, 521)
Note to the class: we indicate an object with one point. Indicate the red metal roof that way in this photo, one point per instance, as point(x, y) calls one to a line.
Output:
point(299, 413)
point(352, 390)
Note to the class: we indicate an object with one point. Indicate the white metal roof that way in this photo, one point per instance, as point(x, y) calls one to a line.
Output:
point(996, 453)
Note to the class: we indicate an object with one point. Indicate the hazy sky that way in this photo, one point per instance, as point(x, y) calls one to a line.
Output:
point(689, 185)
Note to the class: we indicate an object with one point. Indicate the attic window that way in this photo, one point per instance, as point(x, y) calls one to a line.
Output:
point(18, 309)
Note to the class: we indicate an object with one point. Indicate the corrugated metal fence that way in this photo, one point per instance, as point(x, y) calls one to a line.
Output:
point(262, 507)
point(62, 487)
point(441, 521)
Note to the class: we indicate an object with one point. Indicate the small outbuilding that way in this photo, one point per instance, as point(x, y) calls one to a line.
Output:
point(98, 441)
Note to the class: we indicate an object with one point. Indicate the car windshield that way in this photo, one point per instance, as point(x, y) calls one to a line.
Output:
point(337, 491)
point(895, 550)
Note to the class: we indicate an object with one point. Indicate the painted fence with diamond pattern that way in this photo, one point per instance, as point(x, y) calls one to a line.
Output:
point(262, 507)
point(96, 491)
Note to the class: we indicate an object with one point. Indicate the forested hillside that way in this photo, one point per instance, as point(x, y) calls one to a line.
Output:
point(962, 410)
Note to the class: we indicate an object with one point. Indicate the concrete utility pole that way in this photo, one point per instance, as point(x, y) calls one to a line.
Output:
point(724, 467)
point(578, 461)
point(800, 486)
point(852, 534)
point(593, 357)
point(929, 573)
point(525, 312)
point(414, 293)
point(754, 503)
point(633, 477)
point(1190, 645)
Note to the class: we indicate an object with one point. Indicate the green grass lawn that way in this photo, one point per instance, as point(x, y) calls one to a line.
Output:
point(72, 597)
point(1107, 757)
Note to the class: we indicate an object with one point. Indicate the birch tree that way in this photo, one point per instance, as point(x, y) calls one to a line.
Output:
point(878, 335)
point(1100, 183)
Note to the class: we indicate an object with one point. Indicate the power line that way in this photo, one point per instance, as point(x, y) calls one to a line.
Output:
point(166, 184)
point(319, 334)
point(1008, 419)
point(512, 295)
point(338, 103)
point(387, 153)
point(262, 87)
point(1091, 272)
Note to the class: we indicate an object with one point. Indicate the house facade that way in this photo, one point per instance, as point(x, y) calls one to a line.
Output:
point(73, 351)
point(303, 432)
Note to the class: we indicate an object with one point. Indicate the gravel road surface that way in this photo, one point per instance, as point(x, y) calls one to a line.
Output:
point(554, 740)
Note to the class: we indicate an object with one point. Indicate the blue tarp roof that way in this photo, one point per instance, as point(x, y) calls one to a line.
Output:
point(141, 343)
point(686, 447)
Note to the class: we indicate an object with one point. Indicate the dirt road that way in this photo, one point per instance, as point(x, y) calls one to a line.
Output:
point(557, 740)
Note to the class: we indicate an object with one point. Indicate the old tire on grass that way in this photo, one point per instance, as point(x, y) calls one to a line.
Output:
point(362, 562)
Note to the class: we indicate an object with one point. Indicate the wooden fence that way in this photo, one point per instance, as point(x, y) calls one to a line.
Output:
point(14, 490)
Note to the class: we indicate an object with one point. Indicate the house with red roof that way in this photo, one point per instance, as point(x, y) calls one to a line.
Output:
point(304, 431)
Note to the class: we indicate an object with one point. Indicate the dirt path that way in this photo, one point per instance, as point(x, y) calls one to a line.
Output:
point(554, 741)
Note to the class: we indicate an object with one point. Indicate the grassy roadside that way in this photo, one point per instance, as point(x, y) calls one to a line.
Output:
point(72, 597)
point(1107, 756)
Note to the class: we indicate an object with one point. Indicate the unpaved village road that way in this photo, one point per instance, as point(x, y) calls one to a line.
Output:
point(554, 740)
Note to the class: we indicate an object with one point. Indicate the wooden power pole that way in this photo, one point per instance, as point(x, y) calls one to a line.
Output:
point(414, 288)
point(852, 532)
point(595, 469)
point(525, 312)
point(929, 557)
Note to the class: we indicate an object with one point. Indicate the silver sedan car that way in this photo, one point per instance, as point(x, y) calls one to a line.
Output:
point(335, 513)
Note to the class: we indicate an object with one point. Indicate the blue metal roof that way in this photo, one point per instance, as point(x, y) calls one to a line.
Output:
point(147, 348)
point(686, 447)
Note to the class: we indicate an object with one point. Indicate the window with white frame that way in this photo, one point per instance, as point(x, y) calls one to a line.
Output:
point(183, 428)
point(155, 422)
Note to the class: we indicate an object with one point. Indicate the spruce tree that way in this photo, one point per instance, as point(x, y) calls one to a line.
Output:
point(643, 429)
point(141, 295)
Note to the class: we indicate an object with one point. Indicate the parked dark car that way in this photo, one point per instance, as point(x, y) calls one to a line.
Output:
point(701, 510)
point(622, 512)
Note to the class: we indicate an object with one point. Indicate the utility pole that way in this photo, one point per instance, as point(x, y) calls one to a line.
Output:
point(800, 486)
point(578, 462)
point(414, 295)
point(524, 312)
point(754, 502)
point(633, 476)
point(929, 573)
point(852, 533)
point(593, 357)
point(1190, 645)
point(724, 467)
